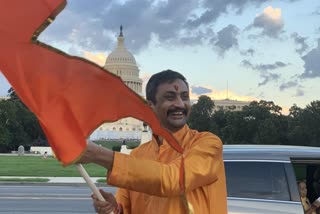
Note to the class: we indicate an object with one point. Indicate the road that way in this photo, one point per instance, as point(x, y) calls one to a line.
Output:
point(26, 199)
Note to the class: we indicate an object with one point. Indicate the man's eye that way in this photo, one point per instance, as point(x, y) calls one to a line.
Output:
point(185, 97)
point(170, 97)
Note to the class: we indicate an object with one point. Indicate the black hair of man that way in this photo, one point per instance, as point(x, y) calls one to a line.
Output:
point(167, 76)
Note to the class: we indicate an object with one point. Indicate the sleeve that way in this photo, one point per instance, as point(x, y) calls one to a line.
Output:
point(123, 198)
point(203, 162)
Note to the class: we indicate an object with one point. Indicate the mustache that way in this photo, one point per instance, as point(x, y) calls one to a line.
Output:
point(184, 111)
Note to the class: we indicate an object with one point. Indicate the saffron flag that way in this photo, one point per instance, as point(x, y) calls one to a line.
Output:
point(70, 96)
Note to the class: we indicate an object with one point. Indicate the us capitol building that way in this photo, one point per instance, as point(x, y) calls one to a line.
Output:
point(123, 64)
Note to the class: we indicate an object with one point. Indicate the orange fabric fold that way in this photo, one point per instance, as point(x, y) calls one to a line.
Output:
point(70, 96)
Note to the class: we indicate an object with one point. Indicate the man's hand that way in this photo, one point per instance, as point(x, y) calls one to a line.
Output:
point(104, 207)
point(98, 155)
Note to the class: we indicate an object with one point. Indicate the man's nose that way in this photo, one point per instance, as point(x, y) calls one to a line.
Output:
point(179, 102)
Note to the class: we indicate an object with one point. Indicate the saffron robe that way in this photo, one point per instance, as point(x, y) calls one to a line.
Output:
point(149, 177)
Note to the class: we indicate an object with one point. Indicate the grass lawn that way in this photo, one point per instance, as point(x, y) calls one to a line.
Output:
point(37, 166)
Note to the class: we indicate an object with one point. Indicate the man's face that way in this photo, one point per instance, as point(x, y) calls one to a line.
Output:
point(172, 104)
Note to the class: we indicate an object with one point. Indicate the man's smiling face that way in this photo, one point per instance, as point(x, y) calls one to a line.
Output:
point(172, 104)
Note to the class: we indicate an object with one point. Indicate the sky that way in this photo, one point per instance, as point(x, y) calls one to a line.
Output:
point(237, 49)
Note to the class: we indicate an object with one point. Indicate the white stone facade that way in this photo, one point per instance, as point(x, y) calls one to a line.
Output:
point(4, 98)
point(230, 105)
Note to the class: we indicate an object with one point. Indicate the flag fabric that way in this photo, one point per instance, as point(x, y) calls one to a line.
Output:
point(70, 96)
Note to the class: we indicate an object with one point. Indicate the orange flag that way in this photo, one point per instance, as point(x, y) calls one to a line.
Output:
point(70, 96)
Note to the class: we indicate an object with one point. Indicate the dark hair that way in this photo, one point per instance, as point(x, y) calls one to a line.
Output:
point(157, 79)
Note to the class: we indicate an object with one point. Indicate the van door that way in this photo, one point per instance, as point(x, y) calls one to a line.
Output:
point(260, 187)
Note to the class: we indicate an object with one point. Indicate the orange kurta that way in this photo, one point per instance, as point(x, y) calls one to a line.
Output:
point(149, 177)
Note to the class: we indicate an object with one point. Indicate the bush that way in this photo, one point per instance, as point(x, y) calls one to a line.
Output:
point(116, 148)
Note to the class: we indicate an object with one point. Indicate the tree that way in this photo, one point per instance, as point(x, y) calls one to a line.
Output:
point(18, 126)
point(201, 113)
point(304, 125)
point(259, 123)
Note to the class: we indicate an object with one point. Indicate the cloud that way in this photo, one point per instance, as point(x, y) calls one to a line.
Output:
point(264, 70)
point(300, 41)
point(80, 24)
point(219, 95)
point(94, 25)
point(287, 85)
point(200, 90)
point(248, 52)
point(299, 93)
point(312, 63)
point(99, 58)
point(227, 38)
point(316, 12)
point(269, 21)
point(264, 67)
point(268, 77)
point(212, 10)
point(261, 95)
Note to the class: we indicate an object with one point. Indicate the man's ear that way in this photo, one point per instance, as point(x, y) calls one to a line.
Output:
point(150, 103)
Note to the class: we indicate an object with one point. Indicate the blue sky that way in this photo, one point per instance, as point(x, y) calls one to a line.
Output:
point(257, 49)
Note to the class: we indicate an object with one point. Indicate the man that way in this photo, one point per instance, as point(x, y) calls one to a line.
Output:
point(148, 179)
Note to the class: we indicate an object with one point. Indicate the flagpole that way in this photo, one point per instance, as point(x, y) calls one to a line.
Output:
point(92, 186)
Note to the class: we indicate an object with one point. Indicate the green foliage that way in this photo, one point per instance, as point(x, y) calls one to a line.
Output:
point(18, 126)
point(102, 180)
point(108, 144)
point(132, 145)
point(201, 114)
point(304, 124)
point(116, 148)
point(259, 123)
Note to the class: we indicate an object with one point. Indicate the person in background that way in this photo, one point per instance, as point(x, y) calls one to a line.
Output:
point(148, 178)
point(45, 155)
point(307, 206)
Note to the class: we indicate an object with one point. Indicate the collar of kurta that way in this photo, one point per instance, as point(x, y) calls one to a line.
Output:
point(178, 135)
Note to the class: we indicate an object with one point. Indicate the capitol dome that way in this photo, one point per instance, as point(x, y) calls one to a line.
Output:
point(120, 54)
point(123, 64)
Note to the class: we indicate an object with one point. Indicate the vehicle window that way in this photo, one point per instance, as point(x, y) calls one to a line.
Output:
point(257, 180)
point(310, 173)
